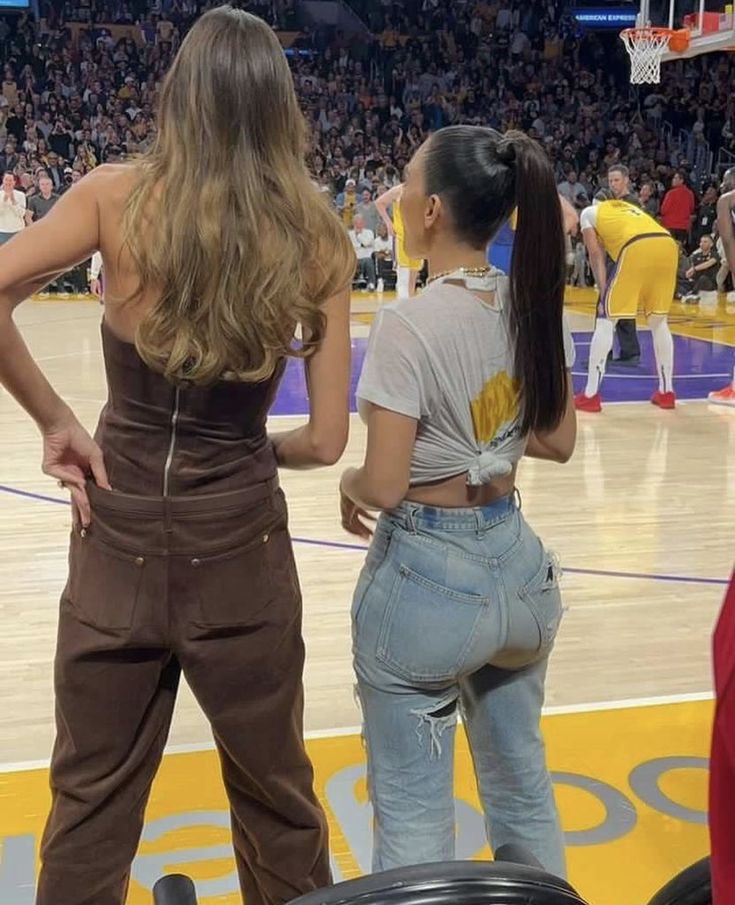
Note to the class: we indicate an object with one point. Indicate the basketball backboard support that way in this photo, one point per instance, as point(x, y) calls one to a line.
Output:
point(711, 25)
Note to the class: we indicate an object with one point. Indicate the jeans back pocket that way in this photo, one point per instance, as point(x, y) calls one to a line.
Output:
point(543, 598)
point(428, 629)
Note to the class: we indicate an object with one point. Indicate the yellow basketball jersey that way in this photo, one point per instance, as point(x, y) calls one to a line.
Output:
point(398, 220)
point(400, 231)
point(618, 222)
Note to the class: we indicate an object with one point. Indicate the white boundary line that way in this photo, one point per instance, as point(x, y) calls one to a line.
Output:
point(593, 707)
point(615, 376)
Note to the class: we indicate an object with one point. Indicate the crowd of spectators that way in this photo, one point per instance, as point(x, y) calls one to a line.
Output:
point(80, 86)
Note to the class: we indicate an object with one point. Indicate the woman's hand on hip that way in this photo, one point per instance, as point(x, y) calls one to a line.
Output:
point(71, 456)
point(355, 519)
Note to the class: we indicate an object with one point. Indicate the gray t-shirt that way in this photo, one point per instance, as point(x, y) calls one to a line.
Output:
point(446, 359)
point(40, 205)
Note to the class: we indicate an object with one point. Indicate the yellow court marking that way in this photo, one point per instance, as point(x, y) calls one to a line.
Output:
point(631, 787)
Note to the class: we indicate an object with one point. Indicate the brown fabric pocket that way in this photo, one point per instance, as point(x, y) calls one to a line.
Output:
point(104, 583)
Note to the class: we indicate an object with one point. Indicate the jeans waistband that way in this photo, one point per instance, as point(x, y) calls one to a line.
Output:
point(413, 516)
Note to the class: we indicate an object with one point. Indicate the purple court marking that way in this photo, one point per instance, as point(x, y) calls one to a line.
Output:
point(27, 494)
point(701, 366)
point(686, 579)
point(362, 548)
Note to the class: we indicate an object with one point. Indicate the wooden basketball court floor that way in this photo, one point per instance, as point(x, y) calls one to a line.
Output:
point(642, 518)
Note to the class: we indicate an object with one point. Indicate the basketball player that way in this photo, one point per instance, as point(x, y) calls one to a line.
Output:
point(726, 229)
point(407, 268)
point(618, 179)
point(645, 260)
point(180, 559)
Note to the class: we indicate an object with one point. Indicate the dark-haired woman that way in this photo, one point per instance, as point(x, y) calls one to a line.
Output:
point(458, 604)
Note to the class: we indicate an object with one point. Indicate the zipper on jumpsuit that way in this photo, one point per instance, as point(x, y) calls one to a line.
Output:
point(172, 444)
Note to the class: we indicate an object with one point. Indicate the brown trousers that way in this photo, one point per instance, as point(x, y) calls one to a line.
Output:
point(206, 585)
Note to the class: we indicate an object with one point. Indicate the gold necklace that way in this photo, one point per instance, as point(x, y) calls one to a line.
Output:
point(477, 272)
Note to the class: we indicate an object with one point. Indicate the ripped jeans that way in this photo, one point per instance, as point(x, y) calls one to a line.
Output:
point(456, 609)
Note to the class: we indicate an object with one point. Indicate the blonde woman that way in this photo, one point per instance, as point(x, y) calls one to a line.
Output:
point(216, 249)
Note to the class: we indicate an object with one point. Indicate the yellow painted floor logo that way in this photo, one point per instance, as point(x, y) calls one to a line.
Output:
point(631, 786)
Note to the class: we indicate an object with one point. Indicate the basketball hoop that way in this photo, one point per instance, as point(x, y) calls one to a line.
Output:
point(646, 48)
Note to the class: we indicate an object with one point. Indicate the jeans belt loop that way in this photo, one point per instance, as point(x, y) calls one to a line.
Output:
point(480, 523)
point(411, 520)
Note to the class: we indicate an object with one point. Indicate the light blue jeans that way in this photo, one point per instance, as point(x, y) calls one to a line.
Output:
point(456, 609)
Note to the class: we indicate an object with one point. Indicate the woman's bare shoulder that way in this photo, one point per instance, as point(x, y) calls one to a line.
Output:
point(112, 182)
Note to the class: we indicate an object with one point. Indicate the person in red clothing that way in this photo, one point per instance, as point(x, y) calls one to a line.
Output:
point(722, 762)
point(677, 209)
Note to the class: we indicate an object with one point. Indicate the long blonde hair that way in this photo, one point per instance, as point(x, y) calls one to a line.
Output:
point(224, 221)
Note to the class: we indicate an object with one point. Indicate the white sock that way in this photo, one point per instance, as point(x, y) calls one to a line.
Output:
point(663, 347)
point(602, 343)
point(403, 282)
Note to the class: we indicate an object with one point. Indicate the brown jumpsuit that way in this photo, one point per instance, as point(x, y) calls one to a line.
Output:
point(187, 565)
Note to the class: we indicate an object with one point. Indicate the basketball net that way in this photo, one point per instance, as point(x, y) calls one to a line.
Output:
point(646, 47)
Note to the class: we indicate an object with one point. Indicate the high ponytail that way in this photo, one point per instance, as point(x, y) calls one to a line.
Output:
point(537, 278)
point(482, 177)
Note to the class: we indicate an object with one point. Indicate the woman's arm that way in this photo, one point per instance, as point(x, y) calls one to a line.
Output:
point(67, 235)
point(557, 445)
point(322, 440)
point(383, 480)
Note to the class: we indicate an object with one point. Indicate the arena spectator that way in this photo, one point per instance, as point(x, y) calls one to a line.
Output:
point(383, 244)
point(347, 202)
point(38, 205)
point(74, 98)
point(573, 191)
point(647, 199)
point(367, 211)
point(55, 171)
point(701, 275)
point(706, 216)
point(677, 209)
point(363, 241)
point(12, 209)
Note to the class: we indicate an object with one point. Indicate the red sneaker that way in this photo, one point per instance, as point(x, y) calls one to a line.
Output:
point(664, 400)
point(584, 403)
point(725, 396)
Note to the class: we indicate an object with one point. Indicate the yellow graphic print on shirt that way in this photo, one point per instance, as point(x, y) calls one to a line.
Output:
point(497, 404)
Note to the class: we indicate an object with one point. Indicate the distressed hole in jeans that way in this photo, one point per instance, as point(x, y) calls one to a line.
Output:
point(438, 719)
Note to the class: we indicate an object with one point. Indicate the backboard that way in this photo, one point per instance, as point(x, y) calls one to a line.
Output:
point(710, 24)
